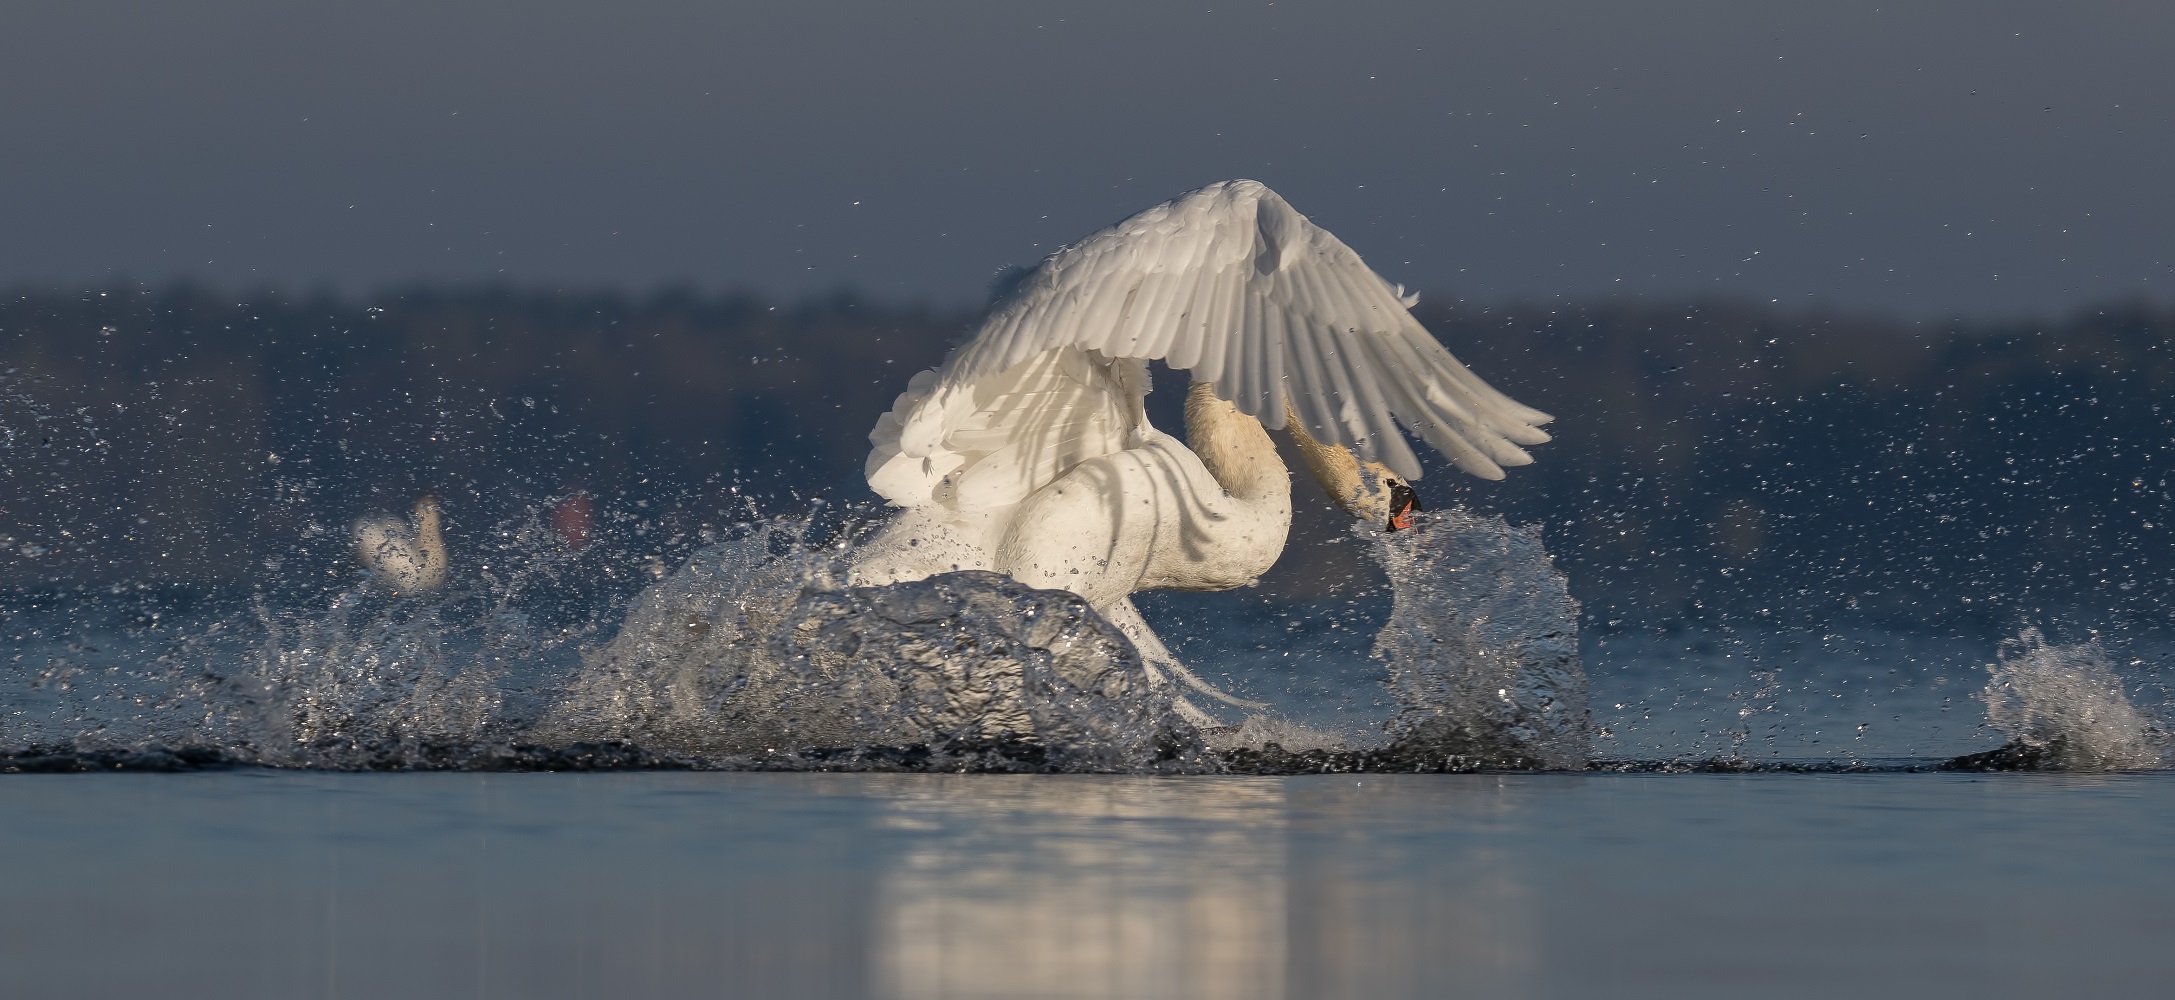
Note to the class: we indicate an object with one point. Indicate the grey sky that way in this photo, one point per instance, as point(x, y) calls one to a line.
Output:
point(1981, 158)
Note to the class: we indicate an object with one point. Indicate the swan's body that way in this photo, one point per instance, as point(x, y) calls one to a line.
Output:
point(404, 557)
point(1029, 451)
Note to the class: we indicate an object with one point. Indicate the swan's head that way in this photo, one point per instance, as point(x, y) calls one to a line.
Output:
point(1366, 490)
point(1382, 497)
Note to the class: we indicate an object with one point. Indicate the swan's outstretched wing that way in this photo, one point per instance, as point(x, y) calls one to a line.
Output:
point(1230, 282)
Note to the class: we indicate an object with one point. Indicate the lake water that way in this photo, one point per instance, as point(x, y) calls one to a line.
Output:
point(278, 884)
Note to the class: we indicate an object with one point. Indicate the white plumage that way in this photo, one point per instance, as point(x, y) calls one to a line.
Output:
point(404, 557)
point(1231, 283)
point(1029, 452)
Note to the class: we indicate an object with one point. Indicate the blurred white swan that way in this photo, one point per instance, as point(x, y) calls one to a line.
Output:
point(404, 557)
point(1028, 452)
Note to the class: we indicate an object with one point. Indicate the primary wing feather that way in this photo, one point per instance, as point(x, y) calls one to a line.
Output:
point(1232, 283)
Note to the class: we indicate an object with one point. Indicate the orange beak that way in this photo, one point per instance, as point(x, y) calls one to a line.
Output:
point(1404, 503)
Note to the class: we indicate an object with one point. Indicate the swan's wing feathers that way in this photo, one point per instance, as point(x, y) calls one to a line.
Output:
point(1127, 291)
point(1233, 284)
point(1369, 367)
point(895, 475)
point(1005, 436)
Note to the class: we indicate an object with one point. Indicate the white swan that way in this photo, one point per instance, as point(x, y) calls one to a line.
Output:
point(404, 557)
point(1028, 452)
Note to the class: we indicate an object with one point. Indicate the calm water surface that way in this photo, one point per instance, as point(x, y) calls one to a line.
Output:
point(274, 884)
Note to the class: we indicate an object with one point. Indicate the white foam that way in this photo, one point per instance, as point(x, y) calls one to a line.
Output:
point(2067, 702)
point(1482, 642)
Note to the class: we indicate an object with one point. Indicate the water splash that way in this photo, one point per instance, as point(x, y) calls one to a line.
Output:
point(1482, 644)
point(755, 653)
point(2063, 708)
point(383, 682)
point(755, 647)
point(1264, 732)
point(677, 675)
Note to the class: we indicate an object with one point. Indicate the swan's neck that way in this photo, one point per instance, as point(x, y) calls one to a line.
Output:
point(1233, 447)
point(1366, 490)
point(1335, 468)
point(430, 540)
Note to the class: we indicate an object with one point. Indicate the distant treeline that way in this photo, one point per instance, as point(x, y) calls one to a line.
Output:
point(1709, 457)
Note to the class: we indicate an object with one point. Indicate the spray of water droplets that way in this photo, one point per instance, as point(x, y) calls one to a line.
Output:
point(755, 653)
point(1482, 645)
point(2063, 708)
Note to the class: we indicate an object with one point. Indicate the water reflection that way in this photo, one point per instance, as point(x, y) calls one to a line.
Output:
point(1182, 888)
point(901, 886)
point(252, 884)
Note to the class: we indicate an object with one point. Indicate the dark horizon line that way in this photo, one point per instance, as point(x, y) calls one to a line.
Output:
point(850, 296)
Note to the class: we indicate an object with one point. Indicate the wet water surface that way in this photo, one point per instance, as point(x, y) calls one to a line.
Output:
point(277, 884)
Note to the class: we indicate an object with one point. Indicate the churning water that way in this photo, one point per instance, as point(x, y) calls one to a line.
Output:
point(753, 654)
